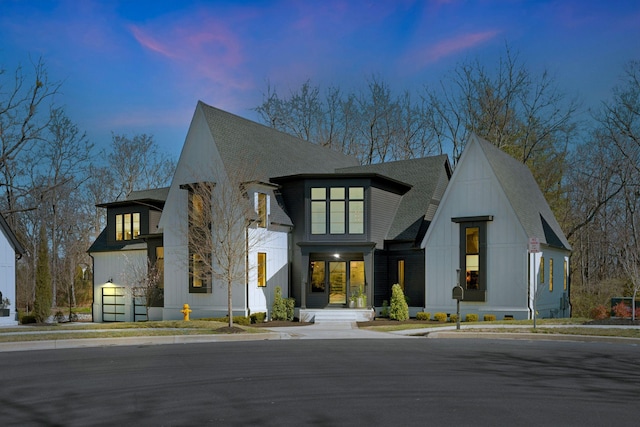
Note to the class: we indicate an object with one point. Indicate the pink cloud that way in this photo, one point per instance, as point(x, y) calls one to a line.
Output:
point(448, 47)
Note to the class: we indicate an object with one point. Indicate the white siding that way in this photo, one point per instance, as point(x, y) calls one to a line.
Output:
point(274, 244)
point(474, 191)
point(116, 269)
point(8, 279)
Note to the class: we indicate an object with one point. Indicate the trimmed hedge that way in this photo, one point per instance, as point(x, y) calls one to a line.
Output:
point(423, 315)
point(258, 317)
point(471, 317)
point(489, 317)
point(440, 317)
point(453, 318)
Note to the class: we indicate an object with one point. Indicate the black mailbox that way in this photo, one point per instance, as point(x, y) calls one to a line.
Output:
point(458, 293)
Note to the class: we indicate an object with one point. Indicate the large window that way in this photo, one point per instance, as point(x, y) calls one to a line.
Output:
point(550, 274)
point(127, 226)
point(317, 276)
point(338, 209)
point(262, 210)
point(262, 269)
point(200, 240)
point(401, 273)
point(473, 255)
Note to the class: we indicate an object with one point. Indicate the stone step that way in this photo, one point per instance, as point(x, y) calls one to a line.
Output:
point(336, 315)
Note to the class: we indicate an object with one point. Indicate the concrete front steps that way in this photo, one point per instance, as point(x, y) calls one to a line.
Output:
point(342, 315)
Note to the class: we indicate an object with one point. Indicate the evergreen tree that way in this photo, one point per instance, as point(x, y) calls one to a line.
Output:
point(44, 298)
point(399, 309)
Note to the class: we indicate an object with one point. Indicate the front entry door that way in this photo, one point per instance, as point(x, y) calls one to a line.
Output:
point(337, 282)
point(333, 282)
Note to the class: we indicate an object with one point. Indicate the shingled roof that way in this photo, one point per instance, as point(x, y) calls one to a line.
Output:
point(525, 196)
point(243, 143)
point(428, 177)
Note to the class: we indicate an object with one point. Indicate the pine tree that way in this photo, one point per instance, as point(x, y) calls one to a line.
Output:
point(44, 298)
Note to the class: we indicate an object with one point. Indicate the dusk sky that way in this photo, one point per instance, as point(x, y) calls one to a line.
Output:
point(141, 66)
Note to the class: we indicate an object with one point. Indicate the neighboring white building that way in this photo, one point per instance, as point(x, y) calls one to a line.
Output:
point(491, 209)
point(10, 251)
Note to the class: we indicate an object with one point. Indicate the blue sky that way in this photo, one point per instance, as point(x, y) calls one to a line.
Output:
point(141, 66)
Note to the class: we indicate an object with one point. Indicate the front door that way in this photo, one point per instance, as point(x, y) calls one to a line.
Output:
point(336, 280)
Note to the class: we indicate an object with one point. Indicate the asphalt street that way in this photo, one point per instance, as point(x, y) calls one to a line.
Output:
point(403, 382)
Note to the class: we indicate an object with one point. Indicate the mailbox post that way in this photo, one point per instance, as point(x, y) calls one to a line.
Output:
point(458, 295)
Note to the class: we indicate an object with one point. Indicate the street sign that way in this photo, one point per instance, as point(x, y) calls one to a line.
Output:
point(534, 245)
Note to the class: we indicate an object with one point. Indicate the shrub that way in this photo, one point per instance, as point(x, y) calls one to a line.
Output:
point(453, 318)
point(599, 312)
point(258, 317)
point(59, 316)
point(279, 308)
point(291, 305)
point(399, 309)
point(489, 317)
point(423, 315)
point(471, 317)
point(385, 309)
point(440, 317)
point(621, 310)
point(28, 318)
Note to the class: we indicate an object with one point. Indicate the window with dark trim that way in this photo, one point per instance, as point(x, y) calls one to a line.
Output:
point(550, 274)
point(473, 256)
point(401, 273)
point(564, 276)
point(199, 238)
point(262, 269)
point(127, 226)
point(338, 209)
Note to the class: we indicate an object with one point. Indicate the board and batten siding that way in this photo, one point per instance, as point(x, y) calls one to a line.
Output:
point(116, 269)
point(475, 191)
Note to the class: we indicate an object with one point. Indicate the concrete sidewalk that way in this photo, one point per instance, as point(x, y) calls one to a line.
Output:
point(323, 330)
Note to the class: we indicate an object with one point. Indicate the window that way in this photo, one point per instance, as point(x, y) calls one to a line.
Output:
point(262, 210)
point(317, 276)
point(564, 274)
point(160, 265)
point(262, 269)
point(473, 256)
point(342, 210)
point(127, 226)
point(401, 273)
point(541, 269)
point(200, 239)
point(550, 274)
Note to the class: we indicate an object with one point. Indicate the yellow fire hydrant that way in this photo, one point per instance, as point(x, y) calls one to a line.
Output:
point(185, 312)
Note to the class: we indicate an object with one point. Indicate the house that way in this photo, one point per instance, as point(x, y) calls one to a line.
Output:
point(10, 251)
point(329, 231)
point(122, 254)
point(489, 213)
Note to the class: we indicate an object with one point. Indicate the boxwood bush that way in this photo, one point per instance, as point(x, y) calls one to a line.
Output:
point(422, 315)
point(440, 317)
point(471, 317)
point(489, 317)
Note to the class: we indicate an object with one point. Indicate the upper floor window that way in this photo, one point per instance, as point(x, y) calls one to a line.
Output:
point(262, 269)
point(340, 209)
point(127, 226)
point(262, 210)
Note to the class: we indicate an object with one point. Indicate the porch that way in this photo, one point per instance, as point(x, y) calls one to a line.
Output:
point(323, 315)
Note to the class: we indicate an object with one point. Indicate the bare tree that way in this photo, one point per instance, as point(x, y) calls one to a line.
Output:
point(135, 163)
point(222, 231)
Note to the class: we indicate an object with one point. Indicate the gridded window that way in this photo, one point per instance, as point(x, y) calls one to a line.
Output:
point(200, 240)
point(318, 210)
point(262, 269)
point(127, 226)
point(340, 207)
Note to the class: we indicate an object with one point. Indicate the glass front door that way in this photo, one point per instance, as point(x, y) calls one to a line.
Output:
point(337, 282)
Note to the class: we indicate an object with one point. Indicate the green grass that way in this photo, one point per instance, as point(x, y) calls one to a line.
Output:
point(113, 330)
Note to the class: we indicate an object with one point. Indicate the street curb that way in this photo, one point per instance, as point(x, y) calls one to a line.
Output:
point(135, 341)
point(531, 337)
